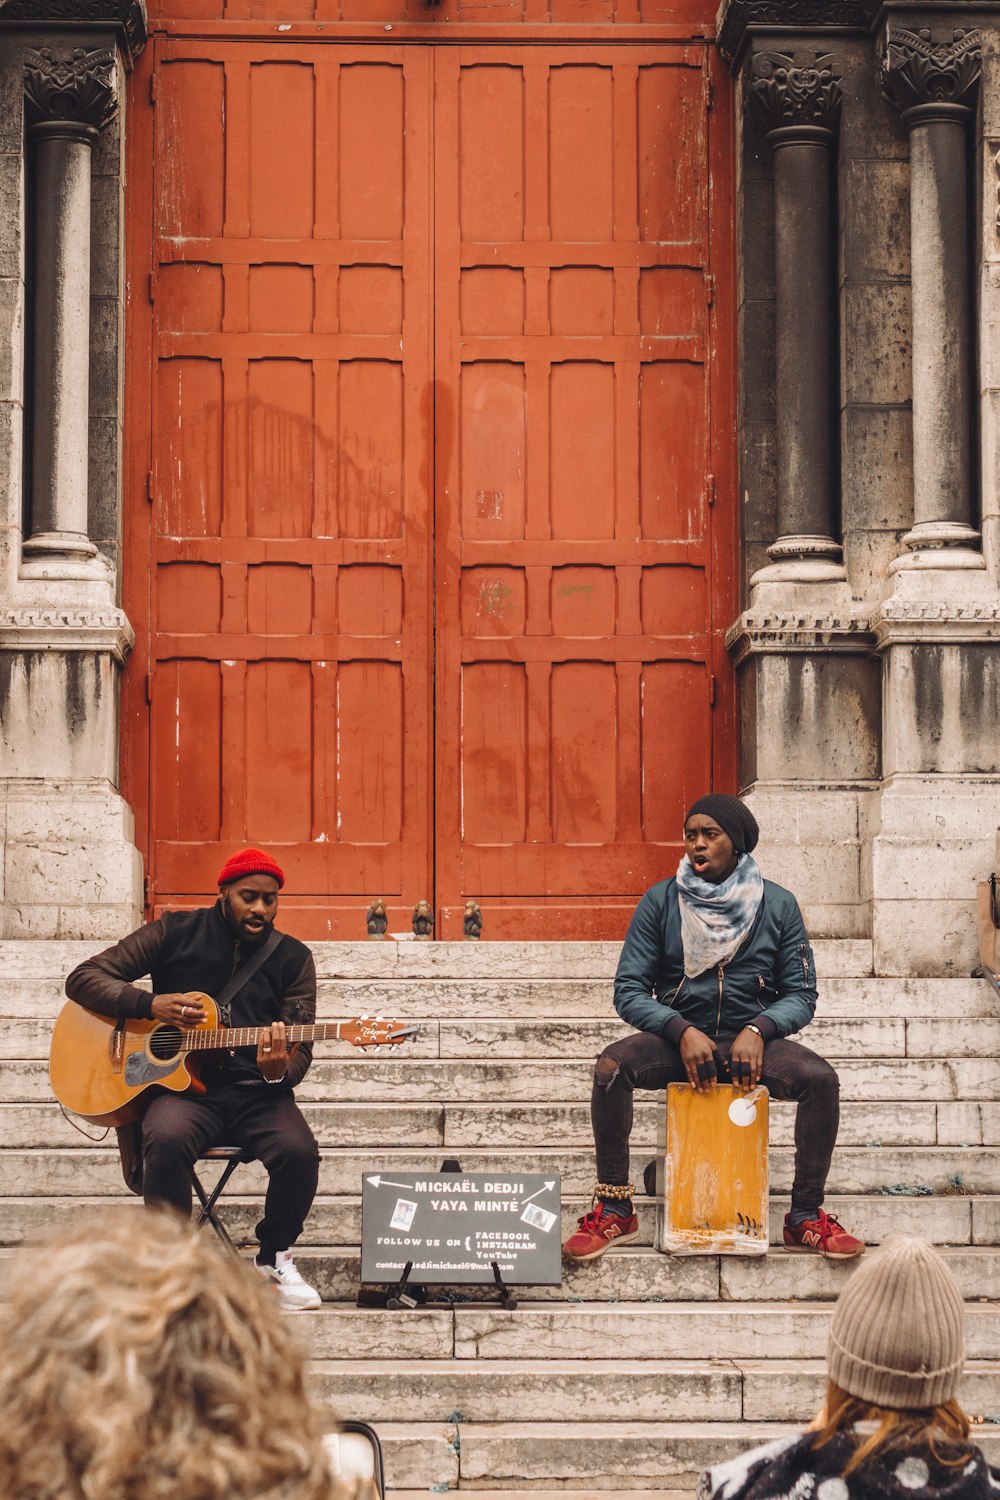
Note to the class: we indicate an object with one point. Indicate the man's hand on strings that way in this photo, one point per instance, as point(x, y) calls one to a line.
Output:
point(273, 1051)
point(182, 1010)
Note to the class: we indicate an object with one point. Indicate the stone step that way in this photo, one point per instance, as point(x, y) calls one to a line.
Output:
point(632, 1274)
point(551, 1041)
point(412, 960)
point(546, 1331)
point(336, 1221)
point(655, 1390)
point(501, 1002)
point(364, 1079)
point(629, 1274)
point(536, 1494)
point(463, 1127)
point(422, 1456)
point(674, 1330)
point(561, 1046)
point(561, 1494)
point(615, 1455)
point(90, 1171)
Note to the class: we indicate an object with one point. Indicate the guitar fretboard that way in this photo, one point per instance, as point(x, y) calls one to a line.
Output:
point(248, 1036)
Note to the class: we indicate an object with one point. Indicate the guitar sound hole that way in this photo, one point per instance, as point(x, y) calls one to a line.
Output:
point(165, 1042)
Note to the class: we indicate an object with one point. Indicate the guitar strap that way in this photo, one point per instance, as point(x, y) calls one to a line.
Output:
point(229, 991)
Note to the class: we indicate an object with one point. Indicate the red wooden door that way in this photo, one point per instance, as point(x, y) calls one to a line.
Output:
point(433, 593)
point(289, 680)
point(574, 606)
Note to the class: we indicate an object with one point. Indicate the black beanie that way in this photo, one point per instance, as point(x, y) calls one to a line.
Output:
point(733, 817)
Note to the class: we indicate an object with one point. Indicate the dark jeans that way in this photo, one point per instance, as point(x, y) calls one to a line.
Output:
point(176, 1128)
point(791, 1071)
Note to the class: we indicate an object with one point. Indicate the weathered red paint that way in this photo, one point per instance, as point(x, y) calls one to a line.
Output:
point(431, 589)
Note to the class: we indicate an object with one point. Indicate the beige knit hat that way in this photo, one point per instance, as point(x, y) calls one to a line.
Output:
point(898, 1332)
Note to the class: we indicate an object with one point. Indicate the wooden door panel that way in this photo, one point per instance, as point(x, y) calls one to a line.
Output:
point(289, 688)
point(377, 474)
point(574, 637)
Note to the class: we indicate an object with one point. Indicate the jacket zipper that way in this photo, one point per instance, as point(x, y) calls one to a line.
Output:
point(718, 1017)
point(236, 961)
point(760, 992)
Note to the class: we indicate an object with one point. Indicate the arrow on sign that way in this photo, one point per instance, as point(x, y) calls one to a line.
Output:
point(546, 1189)
point(384, 1182)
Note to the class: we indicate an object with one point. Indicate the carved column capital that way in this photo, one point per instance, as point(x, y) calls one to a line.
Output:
point(795, 89)
point(126, 18)
point(75, 85)
point(920, 68)
point(740, 20)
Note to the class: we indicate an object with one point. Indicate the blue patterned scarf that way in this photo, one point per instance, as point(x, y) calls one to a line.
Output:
point(715, 919)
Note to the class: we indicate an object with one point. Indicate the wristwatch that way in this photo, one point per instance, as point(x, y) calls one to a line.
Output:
point(755, 1029)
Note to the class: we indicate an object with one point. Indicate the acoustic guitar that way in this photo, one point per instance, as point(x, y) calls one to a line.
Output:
point(100, 1068)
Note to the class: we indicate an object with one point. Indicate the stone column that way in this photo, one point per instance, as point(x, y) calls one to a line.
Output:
point(933, 83)
point(797, 96)
point(69, 866)
point(72, 94)
point(807, 671)
point(938, 626)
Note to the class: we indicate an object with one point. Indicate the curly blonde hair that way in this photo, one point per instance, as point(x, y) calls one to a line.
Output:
point(138, 1360)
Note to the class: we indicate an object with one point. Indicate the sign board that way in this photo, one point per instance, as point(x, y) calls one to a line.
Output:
point(454, 1225)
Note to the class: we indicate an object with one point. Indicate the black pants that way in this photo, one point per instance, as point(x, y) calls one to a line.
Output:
point(176, 1128)
point(791, 1071)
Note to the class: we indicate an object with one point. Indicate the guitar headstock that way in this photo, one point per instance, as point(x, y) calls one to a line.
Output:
point(373, 1032)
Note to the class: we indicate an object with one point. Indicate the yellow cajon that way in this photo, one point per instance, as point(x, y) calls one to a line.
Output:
point(712, 1172)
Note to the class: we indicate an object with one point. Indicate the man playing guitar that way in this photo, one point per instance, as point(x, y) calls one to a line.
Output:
point(248, 1099)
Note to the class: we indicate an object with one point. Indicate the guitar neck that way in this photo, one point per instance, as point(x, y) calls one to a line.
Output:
point(226, 1037)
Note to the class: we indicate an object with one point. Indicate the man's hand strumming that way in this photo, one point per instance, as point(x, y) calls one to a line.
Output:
point(698, 1056)
point(746, 1060)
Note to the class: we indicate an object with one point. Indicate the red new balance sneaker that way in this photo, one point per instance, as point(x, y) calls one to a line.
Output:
point(598, 1231)
point(823, 1236)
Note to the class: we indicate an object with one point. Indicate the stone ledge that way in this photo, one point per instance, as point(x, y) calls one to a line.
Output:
point(66, 629)
point(900, 620)
point(127, 17)
point(738, 19)
point(794, 630)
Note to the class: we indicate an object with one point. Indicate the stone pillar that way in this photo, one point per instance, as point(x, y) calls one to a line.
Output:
point(933, 83)
point(797, 96)
point(68, 862)
point(805, 658)
point(72, 93)
point(938, 626)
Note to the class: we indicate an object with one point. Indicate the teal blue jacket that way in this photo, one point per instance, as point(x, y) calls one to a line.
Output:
point(770, 981)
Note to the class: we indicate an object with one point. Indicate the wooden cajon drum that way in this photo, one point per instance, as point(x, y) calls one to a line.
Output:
point(712, 1172)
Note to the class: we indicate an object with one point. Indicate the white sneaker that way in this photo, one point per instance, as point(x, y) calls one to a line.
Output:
point(294, 1294)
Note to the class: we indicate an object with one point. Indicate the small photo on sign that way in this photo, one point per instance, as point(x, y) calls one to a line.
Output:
point(538, 1218)
point(402, 1214)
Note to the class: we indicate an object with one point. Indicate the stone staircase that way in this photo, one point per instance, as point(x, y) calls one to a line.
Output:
point(640, 1369)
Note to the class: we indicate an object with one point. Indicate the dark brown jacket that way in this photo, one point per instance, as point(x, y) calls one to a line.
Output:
point(196, 950)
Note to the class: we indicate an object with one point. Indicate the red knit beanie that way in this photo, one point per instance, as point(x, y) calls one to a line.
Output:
point(250, 862)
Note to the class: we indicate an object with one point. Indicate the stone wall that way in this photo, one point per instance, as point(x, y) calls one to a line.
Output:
point(69, 863)
point(867, 650)
point(870, 694)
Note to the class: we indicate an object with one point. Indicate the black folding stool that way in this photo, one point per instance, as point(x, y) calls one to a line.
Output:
point(233, 1156)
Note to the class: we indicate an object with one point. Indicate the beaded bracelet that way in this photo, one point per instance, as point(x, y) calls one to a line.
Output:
point(614, 1190)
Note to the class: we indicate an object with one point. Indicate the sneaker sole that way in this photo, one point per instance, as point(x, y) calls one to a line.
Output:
point(620, 1239)
point(826, 1254)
